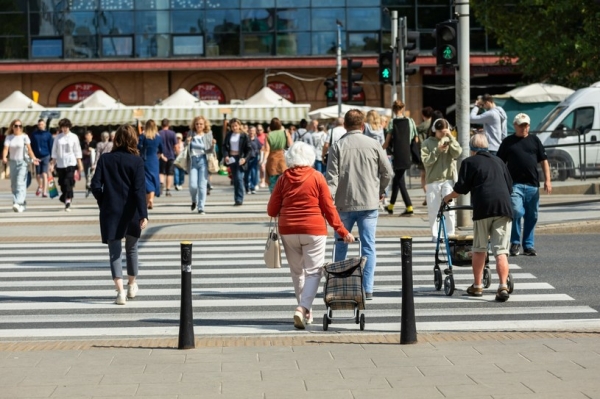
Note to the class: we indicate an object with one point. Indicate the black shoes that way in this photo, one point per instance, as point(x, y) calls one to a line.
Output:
point(514, 249)
point(193, 206)
point(529, 252)
point(389, 210)
point(407, 213)
point(237, 204)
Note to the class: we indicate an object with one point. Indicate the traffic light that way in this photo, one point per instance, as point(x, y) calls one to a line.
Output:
point(353, 77)
point(446, 43)
point(330, 88)
point(410, 52)
point(386, 61)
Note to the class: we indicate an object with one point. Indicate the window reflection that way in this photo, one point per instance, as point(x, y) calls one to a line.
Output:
point(188, 45)
point(47, 48)
point(328, 3)
point(258, 3)
point(187, 22)
point(325, 42)
point(293, 19)
point(293, 44)
point(258, 44)
point(115, 46)
point(363, 43)
point(324, 19)
point(222, 32)
point(152, 46)
point(188, 4)
point(257, 20)
point(152, 22)
point(116, 23)
point(364, 19)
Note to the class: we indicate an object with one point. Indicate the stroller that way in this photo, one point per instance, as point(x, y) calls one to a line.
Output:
point(458, 253)
point(343, 289)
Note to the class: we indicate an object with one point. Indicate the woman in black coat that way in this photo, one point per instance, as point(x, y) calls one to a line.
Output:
point(236, 150)
point(119, 187)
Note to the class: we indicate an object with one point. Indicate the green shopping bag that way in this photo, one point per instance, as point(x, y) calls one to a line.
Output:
point(52, 191)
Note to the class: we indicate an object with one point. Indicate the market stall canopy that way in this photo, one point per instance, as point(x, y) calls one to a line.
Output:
point(331, 112)
point(181, 98)
point(19, 106)
point(266, 96)
point(538, 93)
point(98, 99)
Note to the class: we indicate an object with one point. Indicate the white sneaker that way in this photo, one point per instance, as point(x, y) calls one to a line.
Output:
point(121, 297)
point(17, 207)
point(132, 290)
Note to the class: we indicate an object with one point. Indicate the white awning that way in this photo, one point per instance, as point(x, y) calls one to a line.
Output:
point(28, 117)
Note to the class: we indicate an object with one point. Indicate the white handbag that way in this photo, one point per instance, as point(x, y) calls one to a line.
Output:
point(183, 159)
point(272, 254)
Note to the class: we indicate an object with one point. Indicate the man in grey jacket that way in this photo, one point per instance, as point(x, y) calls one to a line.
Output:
point(358, 173)
point(493, 120)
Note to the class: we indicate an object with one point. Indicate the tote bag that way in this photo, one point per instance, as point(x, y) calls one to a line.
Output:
point(183, 159)
point(272, 254)
point(213, 162)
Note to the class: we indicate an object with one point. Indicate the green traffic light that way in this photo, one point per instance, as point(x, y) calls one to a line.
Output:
point(385, 73)
point(329, 93)
point(448, 53)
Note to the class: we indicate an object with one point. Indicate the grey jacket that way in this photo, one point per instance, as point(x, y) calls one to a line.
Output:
point(494, 123)
point(358, 172)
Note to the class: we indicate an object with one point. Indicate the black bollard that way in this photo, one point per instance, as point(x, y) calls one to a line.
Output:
point(186, 317)
point(408, 325)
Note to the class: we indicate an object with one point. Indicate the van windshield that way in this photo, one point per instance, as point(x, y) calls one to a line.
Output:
point(548, 119)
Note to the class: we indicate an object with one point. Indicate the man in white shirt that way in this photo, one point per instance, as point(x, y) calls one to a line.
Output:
point(66, 155)
point(333, 136)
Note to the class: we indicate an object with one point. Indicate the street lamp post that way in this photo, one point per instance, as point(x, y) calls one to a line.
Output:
point(339, 67)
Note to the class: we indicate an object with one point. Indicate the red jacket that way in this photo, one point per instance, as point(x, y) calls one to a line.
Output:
point(301, 198)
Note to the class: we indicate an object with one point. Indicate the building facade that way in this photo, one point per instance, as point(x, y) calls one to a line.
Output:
point(140, 51)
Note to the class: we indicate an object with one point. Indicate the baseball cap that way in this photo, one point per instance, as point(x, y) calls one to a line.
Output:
point(521, 119)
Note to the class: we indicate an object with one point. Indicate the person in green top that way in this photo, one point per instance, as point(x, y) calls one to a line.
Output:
point(277, 141)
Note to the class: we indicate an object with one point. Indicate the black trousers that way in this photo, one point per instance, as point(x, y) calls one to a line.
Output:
point(66, 181)
point(399, 183)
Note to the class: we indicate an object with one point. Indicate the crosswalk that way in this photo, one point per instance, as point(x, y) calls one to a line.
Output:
point(60, 290)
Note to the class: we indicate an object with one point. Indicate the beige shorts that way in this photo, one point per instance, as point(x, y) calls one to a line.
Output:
point(497, 230)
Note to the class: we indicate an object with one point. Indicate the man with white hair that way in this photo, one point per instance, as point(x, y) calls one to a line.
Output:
point(522, 152)
point(486, 177)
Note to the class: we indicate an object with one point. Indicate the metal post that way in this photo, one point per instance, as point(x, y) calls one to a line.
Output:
point(339, 69)
point(402, 44)
point(463, 84)
point(408, 324)
point(186, 317)
point(394, 44)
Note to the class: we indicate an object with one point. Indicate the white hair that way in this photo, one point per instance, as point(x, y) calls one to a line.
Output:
point(300, 154)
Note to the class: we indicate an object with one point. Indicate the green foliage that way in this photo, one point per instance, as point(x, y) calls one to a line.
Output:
point(552, 41)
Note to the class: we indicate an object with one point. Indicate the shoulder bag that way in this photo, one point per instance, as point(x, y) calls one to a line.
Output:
point(183, 160)
point(272, 254)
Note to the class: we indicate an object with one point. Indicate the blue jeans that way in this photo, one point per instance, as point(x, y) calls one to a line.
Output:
point(320, 166)
point(237, 176)
point(179, 177)
point(525, 204)
point(366, 221)
point(198, 180)
point(251, 177)
point(18, 180)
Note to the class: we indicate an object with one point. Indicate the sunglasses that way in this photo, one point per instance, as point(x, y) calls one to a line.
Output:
point(18, 126)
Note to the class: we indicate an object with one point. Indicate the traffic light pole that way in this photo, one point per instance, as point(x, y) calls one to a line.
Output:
point(394, 55)
point(402, 39)
point(339, 68)
point(463, 84)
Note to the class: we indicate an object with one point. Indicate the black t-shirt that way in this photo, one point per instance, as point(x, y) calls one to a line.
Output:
point(522, 154)
point(486, 177)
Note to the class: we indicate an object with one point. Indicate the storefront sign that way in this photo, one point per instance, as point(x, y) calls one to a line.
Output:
point(75, 93)
point(208, 92)
point(283, 90)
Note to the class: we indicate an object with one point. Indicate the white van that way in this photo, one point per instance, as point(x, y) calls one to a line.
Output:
point(573, 122)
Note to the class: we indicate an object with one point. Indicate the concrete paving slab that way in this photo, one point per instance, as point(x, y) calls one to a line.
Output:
point(107, 370)
point(460, 391)
point(288, 385)
point(208, 387)
point(27, 392)
point(129, 378)
point(555, 395)
point(388, 372)
point(37, 380)
point(211, 367)
point(287, 364)
point(395, 393)
point(99, 390)
point(234, 376)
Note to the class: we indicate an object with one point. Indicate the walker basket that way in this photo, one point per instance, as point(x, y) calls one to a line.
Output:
point(343, 284)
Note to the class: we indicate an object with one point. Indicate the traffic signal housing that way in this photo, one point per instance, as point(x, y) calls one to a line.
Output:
point(410, 52)
point(329, 88)
point(353, 77)
point(446, 43)
point(386, 61)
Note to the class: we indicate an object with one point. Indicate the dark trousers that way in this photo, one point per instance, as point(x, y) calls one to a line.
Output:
point(237, 176)
point(399, 183)
point(66, 181)
point(251, 176)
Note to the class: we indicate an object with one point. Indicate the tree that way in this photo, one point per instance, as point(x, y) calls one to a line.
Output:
point(552, 41)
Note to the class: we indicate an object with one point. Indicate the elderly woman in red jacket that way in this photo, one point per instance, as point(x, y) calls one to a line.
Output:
point(302, 201)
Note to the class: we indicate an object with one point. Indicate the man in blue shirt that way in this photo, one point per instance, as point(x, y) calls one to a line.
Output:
point(41, 144)
point(167, 170)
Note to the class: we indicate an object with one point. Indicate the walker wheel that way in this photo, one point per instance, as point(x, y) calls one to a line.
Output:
point(437, 279)
point(362, 322)
point(487, 278)
point(510, 283)
point(357, 318)
point(449, 285)
point(325, 323)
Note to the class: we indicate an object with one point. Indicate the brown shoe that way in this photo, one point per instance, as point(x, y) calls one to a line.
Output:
point(472, 291)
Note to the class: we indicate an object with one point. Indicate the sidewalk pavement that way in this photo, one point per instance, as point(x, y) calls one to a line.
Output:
point(465, 365)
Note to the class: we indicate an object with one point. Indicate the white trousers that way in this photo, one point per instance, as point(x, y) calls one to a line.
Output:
point(436, 191)
point(305, 255)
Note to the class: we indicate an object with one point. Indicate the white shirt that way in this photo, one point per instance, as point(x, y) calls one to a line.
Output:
point(337, 133)
point(66, 150)
point(234, 142)
point(16, 145)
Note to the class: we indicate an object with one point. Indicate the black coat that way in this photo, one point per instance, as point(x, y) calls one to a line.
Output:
point(245, 149)
point(120, 189)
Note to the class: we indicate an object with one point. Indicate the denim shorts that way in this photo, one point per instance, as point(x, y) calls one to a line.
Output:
point(42, 167)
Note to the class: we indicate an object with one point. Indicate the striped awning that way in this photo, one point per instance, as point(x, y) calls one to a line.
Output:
point(28, 117)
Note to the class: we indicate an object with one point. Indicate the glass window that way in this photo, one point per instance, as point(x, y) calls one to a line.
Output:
point(363, 3)
point(83, 5)
point(328, 3)
point(151, 4)
point(478, 41)
point(116, 5)
point(47, 24)
point(117, 46)
point(428, 17)
point(151, 46)
point(363, 43)
point(188, 45)
point(81, 24)
point(14, 48)
point(222, 22)
point(46, 48)
point(214, 5)
point(116, 23)
point(80, 46)
point(188, 4)
point(13, 23)
point(187, 22)
point(293, 20)
point(293, 44)
point(325, 43)
point(363, 19)
point(258, 3)
point(259, 20)
point(325, 19)
point(258, 44)
point(293, 3)
point(223, 44)
point(152, 22)
point(435, 2)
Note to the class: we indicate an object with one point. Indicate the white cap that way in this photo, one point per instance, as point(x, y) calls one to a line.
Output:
point(521, 119)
